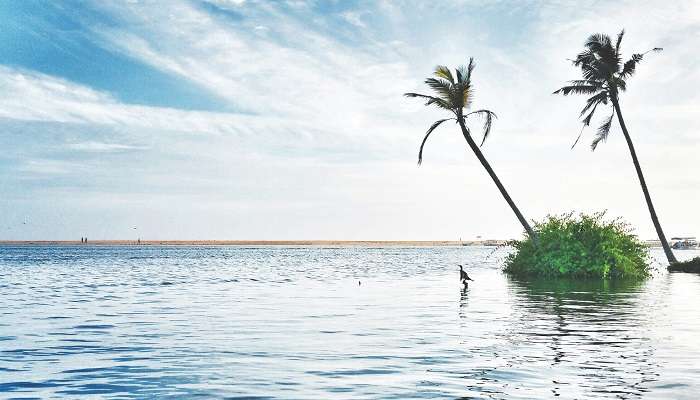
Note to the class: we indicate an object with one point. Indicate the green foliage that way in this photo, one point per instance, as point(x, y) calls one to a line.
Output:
point(579, 246)
point(692, 265)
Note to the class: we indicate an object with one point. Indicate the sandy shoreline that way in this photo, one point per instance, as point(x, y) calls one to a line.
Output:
point(367, 243)
point(319, 243)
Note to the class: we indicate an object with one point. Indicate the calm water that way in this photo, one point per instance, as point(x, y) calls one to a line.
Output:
point(271, 322)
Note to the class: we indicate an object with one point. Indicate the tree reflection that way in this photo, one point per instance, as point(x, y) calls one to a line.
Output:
point(591, 333)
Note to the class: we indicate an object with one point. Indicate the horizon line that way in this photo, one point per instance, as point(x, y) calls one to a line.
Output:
point(368, 243)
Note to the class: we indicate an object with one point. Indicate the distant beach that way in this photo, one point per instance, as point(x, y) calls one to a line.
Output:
point(320, 243)
point(367, 243)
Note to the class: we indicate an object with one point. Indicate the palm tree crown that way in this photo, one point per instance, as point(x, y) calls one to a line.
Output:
point(604, 77)
point(453, 95)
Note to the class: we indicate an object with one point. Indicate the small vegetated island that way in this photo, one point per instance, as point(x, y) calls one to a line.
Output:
point(585, 246)
point(686, 266)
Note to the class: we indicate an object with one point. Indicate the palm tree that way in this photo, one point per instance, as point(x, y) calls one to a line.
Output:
point(456, 96)
point(604, 78)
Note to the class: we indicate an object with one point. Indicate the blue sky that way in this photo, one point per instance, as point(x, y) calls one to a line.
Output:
point(238, 119)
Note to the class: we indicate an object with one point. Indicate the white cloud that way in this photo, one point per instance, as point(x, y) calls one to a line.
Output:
point(309, 77)
point(32, 96)
point(47, 167)
point(324, 146)
point(354, 18)
point(100, 147)
point(225, 3)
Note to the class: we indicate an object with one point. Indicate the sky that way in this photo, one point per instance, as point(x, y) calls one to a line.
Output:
point(240, 119)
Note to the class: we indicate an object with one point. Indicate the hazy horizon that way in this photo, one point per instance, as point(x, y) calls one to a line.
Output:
point(235, 119)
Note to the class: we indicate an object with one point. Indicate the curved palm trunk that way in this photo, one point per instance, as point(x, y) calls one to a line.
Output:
point(475, 148)
point(654, 218)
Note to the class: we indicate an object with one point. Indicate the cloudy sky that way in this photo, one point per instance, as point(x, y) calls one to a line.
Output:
point(237, 119)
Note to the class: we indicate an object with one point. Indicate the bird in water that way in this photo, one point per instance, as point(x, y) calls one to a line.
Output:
point(463, 277)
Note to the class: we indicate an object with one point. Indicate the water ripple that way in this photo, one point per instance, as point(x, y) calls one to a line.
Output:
point(292, 322)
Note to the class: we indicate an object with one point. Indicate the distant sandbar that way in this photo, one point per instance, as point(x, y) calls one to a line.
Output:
point(321, 243)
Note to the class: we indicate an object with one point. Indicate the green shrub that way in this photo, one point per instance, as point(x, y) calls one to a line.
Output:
point(692, 265)
point(579, 246)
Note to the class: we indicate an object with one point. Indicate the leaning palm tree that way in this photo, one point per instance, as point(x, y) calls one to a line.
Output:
point(604, 78)
point(455, 96)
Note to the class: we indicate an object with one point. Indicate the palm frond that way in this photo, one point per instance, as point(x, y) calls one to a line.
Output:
point(466, 71)
point(597, 41)
point(470, 67)
point(432, 100)
point(577, 89)
point(425, 96)
point(630, 66)
point(585, 82)
point(587, 119)
point(466, 97)
point(593, 101)
point(619, 41)
point(583, 58)
point(461, 73)
point(619, 83)
point(592, 104)
point(430, 130)
point(466, 84)
point(440, 103)
point(578, 137)
point(603, 131)
point(595, 71)
point(655, 50)
point(488, 116)
point(443, 72)
point(442, 87)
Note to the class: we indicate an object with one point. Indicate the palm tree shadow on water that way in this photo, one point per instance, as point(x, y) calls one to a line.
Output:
point(566, 338)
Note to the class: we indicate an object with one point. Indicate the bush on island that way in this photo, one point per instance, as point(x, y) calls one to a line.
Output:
point(580, 246)
point(692, 265)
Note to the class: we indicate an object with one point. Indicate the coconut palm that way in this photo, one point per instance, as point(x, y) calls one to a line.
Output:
point(455, 96)
point(604, 78)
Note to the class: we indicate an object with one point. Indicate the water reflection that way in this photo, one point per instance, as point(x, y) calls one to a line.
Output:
point(592, 334)
point(227, 322)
